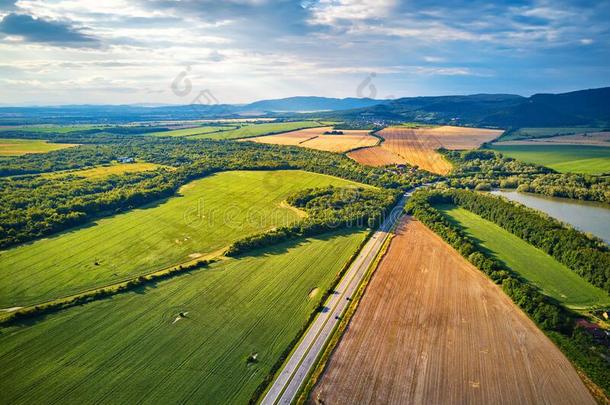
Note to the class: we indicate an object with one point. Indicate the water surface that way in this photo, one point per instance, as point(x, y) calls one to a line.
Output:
point(585, 216)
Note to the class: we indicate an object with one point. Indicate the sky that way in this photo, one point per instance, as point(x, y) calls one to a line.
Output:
point(237, 51)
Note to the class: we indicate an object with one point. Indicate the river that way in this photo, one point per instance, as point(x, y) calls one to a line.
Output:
point(585, 216)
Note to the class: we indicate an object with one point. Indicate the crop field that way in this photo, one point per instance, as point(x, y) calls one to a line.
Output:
point(193, 131)
point(253, 130)
point(563, 158)
point(239, 315)
point(376, 156)
point(552, 277)
point(105, 171)
point(417, 147)
point(314, 138)
point(532, 133)
point(590, 138)
point(17, 147)
point(59, 129)
point(432, 329)
point(205, 218)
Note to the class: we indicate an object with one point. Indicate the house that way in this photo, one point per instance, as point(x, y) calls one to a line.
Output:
point(124, 159)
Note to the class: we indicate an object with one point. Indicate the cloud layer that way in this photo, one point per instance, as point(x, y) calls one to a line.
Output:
point(129, 51)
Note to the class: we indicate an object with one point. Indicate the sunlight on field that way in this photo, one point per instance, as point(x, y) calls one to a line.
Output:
point(17, 147)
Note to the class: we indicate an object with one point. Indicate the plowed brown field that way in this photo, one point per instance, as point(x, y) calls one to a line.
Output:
point(314, 138)
point(432, 329)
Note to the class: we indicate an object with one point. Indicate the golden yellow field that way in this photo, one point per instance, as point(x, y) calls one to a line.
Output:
point(314, 138)
point(432, 329)
point(418, 146)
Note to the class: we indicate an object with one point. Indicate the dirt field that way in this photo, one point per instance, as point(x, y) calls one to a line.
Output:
point(432, 329)
point(314, 138)
point(592, 138)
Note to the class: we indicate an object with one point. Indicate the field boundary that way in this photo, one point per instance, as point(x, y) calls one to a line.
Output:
point(322, 361)
point(279, 132)
point(259, 393)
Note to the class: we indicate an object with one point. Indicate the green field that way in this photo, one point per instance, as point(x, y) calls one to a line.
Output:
point(59, 129)
point(105, 171)
point(209, 214)
point(17, 147)
point(130, 348)
point(552, 277)
point(532, 133)
point(252, 130)
point(193, 131)
point(563, 158)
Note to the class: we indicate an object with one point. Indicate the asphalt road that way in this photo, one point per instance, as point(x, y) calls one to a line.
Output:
point(297, 367)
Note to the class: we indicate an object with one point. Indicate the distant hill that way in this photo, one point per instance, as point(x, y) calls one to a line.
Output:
point(584, 107)
point(130, 113)
point(305, 104)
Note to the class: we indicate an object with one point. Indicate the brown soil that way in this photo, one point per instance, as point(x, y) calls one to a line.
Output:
point(432, 329)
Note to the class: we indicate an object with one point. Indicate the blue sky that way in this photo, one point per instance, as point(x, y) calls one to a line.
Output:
point(130, 51)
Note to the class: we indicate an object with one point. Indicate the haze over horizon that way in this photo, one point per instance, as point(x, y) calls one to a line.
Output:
point(130, 52)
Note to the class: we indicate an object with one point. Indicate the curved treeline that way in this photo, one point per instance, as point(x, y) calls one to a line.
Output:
point(557, 321)
point(328, 209)
point(35, 206)
point(484, 169)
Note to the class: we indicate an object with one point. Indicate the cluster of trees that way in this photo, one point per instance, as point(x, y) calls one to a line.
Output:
point(328, 209)
point(487, 169)
point(557, 321)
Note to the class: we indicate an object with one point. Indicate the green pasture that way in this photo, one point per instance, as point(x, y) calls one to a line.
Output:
point(206, 216)
point(563, 158)
point(193, 131)
point(552, 277)
point(251, 130)
point(18, 147)
point(239, 316)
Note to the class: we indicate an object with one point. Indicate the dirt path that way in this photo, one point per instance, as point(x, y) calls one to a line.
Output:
point(432, 329)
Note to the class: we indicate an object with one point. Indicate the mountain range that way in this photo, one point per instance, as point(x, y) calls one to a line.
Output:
point(585, 107)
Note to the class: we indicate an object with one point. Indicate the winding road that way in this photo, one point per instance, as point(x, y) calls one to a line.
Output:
point(295, 370)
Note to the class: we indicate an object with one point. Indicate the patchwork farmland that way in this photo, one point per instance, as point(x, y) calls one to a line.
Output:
point(442, 333)
point(418, 146)
point(315, 138)
point(205, 218)
point(210, 336)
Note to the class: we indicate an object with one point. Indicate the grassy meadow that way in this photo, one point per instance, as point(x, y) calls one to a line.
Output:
point(552, 277)
point(206, 216)
point(251, 130)
point(18, 147)
point(193, 131)
point(241, 314)
point(563, 158)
